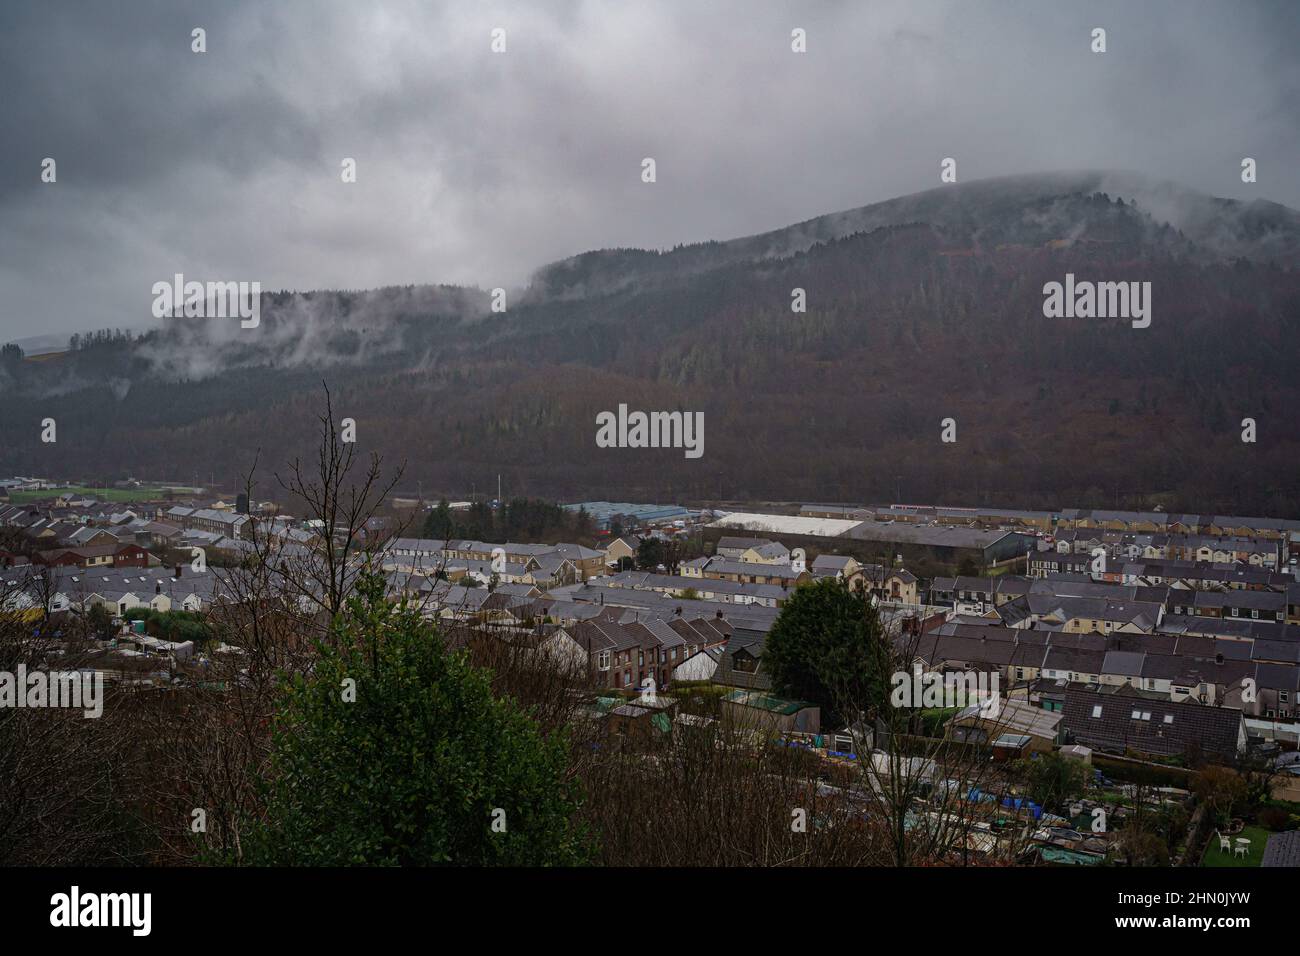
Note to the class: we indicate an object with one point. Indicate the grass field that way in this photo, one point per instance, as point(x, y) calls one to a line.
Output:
point(110, 494)
point(1257, 836)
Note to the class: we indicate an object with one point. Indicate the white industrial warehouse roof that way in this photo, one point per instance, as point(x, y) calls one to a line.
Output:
point(785, 524)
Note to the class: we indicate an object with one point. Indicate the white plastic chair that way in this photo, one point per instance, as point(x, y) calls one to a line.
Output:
point(1224, 843)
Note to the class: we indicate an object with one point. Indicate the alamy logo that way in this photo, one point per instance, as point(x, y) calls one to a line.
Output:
point(78, 690)
point(651, 430)
point(947, 689)
point(103, 909)
point(1098, 300)
point(211, 300)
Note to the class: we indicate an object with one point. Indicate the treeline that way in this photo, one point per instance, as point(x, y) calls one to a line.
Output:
point(521, 520)
point(100, 338)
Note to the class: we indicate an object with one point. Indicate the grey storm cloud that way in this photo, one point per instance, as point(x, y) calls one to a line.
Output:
point(477, 168)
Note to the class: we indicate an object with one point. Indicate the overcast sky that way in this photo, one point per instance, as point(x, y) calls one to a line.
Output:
point(476, 167)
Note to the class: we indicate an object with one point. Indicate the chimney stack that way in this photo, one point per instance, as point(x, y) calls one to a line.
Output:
point(178, 571)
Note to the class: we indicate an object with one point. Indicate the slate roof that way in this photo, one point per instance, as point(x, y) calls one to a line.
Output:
point(831, 562)
point(1282, 849)
point(1123, 663)
point(749, 569)
point(1171, 729)
point(730, 543)
point(747, 642)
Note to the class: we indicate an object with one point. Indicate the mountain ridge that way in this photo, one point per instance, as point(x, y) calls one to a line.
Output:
point(908, 324)
point(956, 204)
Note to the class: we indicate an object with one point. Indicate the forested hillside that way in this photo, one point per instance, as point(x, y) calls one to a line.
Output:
point(921, 309)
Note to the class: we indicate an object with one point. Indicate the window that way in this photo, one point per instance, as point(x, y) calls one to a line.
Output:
point(1284, 696)
point(1137, 715)
point(1096, 710)
point(602, 660)
point(1169, 718)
